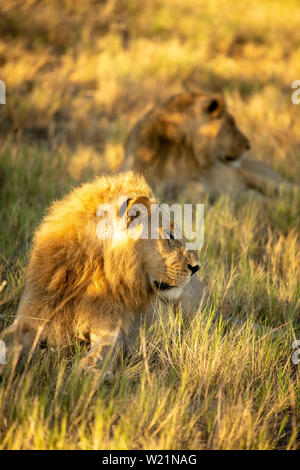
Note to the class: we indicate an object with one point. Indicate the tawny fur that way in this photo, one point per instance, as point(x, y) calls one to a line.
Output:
point(80, 287)
point(191, 146)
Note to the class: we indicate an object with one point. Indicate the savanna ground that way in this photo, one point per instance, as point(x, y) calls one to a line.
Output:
point(78, 75)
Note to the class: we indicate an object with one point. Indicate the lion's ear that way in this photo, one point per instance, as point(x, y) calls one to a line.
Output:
point(214, 106)
point(135, 207)
point(144, 200)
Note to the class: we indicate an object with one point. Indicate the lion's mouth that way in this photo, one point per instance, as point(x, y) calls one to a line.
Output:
point(230, 158)
point(163, 285)
point(166, 291)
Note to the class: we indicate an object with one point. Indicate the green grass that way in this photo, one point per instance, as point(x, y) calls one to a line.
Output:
point(72, 99)
point(195, 387)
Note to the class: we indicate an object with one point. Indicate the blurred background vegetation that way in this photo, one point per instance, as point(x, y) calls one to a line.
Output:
point(79, 74)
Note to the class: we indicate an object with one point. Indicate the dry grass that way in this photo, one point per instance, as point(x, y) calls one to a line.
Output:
point(77, 79)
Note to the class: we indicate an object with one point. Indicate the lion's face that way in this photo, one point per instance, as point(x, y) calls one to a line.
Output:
point(169, 266)
point(212, 132)
point(163, 258)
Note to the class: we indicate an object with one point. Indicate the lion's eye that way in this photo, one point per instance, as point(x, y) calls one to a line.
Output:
point(135, 216)
point(169, 236)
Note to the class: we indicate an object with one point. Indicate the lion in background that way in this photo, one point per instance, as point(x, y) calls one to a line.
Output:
point(191, 145)
point(80, 286)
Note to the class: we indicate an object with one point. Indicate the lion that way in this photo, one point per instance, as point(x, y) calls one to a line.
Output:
point(192, 145)
point(92, 276)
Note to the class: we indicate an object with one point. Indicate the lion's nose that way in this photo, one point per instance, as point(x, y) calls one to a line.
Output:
point(194, 269)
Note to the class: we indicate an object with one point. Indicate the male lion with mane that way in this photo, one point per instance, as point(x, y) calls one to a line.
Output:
point(190, 145)
point(79, 285)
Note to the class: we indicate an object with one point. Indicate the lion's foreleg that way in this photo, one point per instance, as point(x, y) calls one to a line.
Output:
point(104, 351)
point(260, 176)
